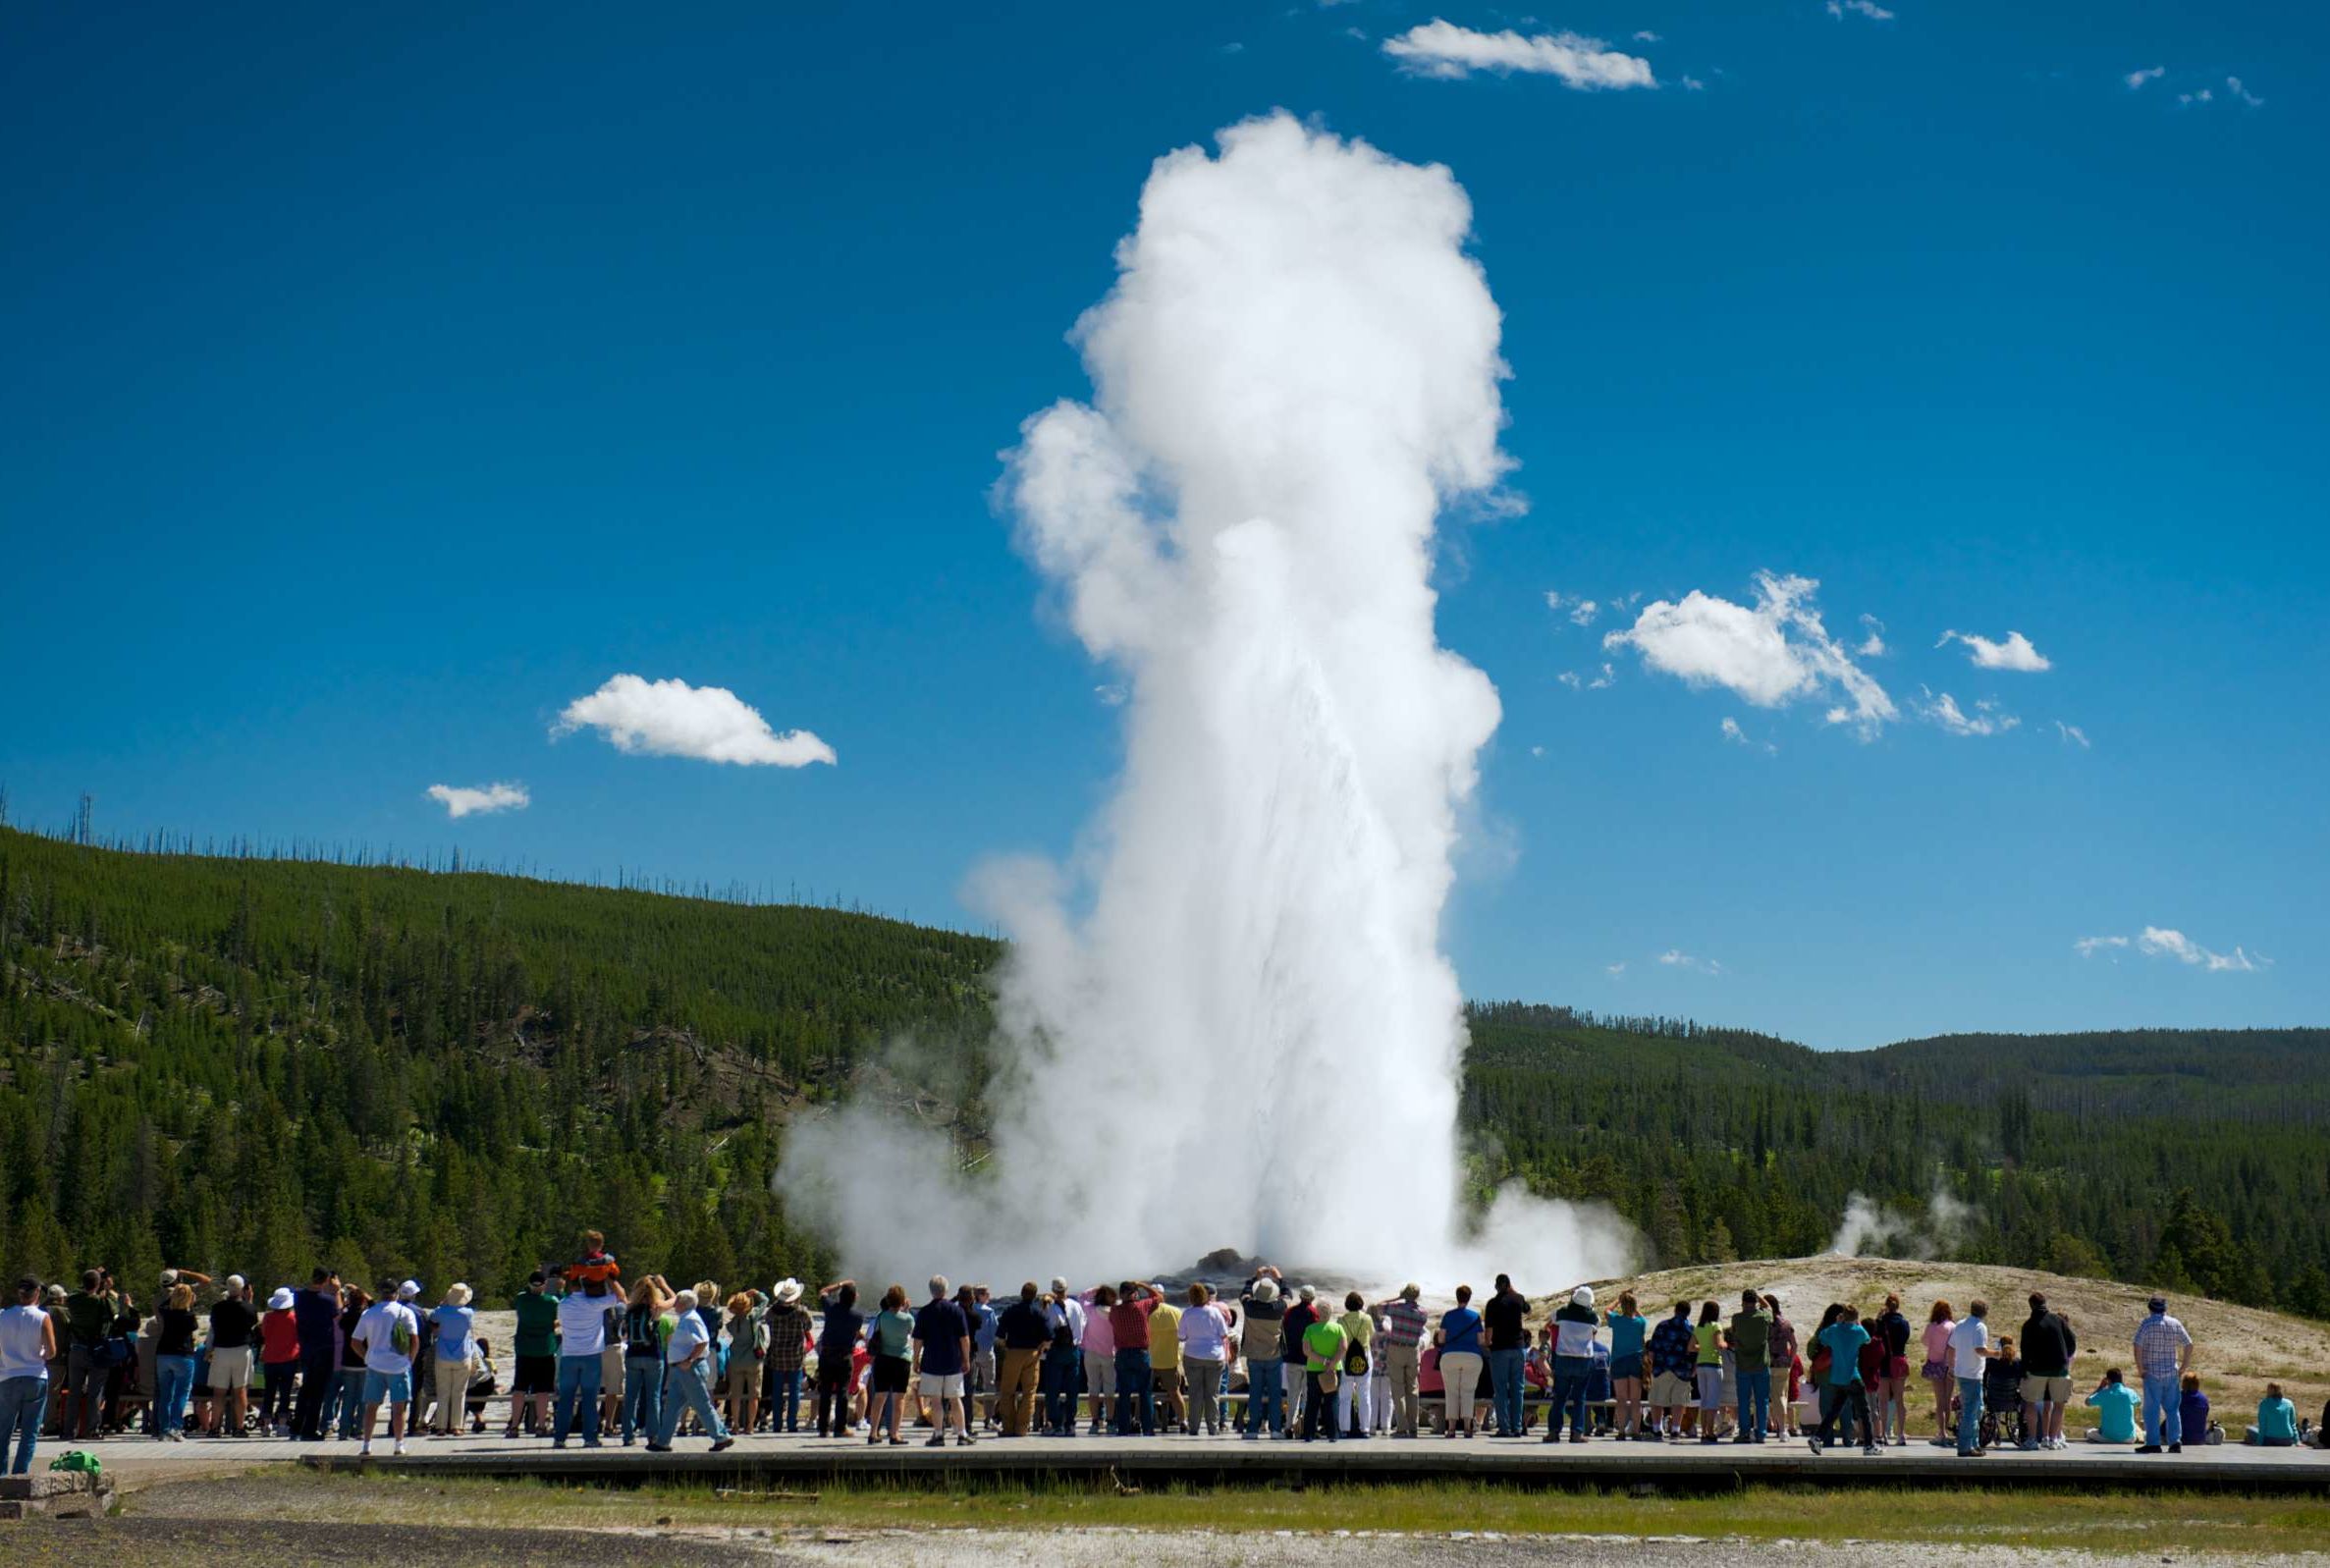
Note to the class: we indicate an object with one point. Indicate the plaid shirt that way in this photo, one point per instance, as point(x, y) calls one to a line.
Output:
point(2158, 1339)
point(1673, 1349)
point(789, 1332)
point(1403, 1324)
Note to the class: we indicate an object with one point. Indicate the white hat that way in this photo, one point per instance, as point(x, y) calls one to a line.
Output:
point(1582, 1296)
point(408, 1290)
point(280, 1301)
point(788, 1290)
point(457, 1294)
point(1265, 1290)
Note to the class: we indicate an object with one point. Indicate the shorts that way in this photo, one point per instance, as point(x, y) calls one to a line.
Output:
point(1937, 1371)
point(2037, 1391)
point(942, 1385)
point(1166, 1381)
point(1897, 1367)
point(535, 1375)
point(1624, 1366)
point(1711, 1388)
point(386, 1387)
point(231, 1369)
point(611, 1367)
point(1667, 1390)
point(890, 1374)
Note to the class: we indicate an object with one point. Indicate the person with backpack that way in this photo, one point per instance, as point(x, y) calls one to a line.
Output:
point(646, 1325)
point(388, 1334)
point(1843, 1339)
point(28, 1345)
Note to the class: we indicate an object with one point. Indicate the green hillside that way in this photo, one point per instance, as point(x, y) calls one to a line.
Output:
point(255, 1063)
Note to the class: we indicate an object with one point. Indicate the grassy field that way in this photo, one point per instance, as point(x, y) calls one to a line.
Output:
point(2103, 1522)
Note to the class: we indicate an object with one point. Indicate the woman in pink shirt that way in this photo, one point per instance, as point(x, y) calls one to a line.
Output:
point(1936, 1370)
point(1100, 1356)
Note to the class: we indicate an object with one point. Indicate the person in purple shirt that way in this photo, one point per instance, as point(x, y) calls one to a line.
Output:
point(317, 1312)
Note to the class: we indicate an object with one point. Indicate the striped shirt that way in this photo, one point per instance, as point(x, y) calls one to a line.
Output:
point(1403, 1324)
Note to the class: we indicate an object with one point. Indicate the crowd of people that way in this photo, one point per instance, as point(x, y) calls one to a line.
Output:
point(593, 1357)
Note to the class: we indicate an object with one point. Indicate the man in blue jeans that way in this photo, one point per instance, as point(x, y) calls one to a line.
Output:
point(1970, 1349)
point(1573, 1365)
point(2162, 1350)
point(686, 1356)
point(317, 1312)
point(1261, 1337)
point(1750, 1359)
point(586, 1320)
point(1506, 1318)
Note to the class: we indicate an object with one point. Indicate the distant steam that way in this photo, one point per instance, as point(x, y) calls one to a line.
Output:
point(1869, 1230)
point(1228, 1022)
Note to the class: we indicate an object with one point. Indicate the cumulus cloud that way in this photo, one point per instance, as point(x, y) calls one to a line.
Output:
point(2136, 79)
point(2070, 734)
point(1582, 612)
point(1444, 50)
point(1646, 35)
point(1986, 720)
point(2016, 653)
point(1867, 8)
point(1677, 958)
point(1770, 653)
point(1873, 641)
point(462, 801)
point(2161, 942)
point(672, 718)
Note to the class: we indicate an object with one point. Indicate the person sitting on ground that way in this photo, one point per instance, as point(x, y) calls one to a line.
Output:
point(2117, 1405)
point(484, 1379)
point(2277, 1421)
point(2191, 1410)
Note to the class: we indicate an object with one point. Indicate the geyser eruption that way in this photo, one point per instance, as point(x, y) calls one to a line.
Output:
point(1230, 1022)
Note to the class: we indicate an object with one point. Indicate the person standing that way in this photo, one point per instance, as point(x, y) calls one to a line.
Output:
point(979, 1384)
point(837, 1350)
point(1262, 1341)
point(2048, 1345)
point(1970, 1351)
point(89, 1318)
point(1065, 1316)
point(1708, 1346)
point(687, 1383)
point(1574, 1322)
point(748, 1350)
point(453, 1325)
point(646, 1323)
point(1128, 1329)
point(28, 1345)
point(588, 1321)
point(1936, 1367)
point(2163, 1354)
point(1843, 1339)
point(1893, 1330)
point(1301, 1313)
point(1751, 1354)
point(941, 1362)
point(316, 1310)
point(233, 1327)
point(892, 1337)
point(1354, 1407)
point(278, 1353)
point(1674, 1361)
point(387, 1334)
point(1204, 1334)
point(1628, 1336)
point(1022, 1333)
point(1323, 1360)
point(1099, 1347)
point(1785, 1362)
point(788, 1352)
point(1459, 1340)
point(1400, 1346)
point(533, 1377)
point(1506, 1318)
point(347, 1379)
point(1165, 1363)
point(174, 1362)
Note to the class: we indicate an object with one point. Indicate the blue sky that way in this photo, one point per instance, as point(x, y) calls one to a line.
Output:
point(380, 388)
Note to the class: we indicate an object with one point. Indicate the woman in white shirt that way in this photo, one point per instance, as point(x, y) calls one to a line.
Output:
point(1205, 1346)
point(28, 1345)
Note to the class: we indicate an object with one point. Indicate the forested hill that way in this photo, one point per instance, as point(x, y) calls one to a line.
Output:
point(2179, 1157)
point(252, 1063)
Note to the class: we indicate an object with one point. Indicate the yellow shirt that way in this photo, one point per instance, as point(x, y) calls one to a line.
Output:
point(1164, 1337)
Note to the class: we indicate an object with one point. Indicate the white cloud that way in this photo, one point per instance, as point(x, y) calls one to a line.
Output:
point(1614, 970)
point(2016, 653)
point(1770, 653)
point(1734, 734)
point(2070, 734)
point(1694, 85)
point(459, 801)
point(1572, 679)
point(1112, 695)
point(1867, 8)
point(2136, 79)
point(1646, 35)
point(2232, 84)
point(672, 718)
point(1872, 645)
point(1582, 612)
point(1986, 720)
point(1603, 682)
point(1537, 751)
point(2160, 942)
point(2202, 96)
point(1442, 49)
point(1677, 958)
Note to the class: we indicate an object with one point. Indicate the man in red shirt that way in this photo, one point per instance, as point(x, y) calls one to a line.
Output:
point(1128, 1321)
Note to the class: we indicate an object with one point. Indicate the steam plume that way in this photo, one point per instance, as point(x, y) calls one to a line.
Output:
point(1230, 1021)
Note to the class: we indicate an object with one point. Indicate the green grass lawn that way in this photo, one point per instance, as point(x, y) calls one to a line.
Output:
point(2101, 1520)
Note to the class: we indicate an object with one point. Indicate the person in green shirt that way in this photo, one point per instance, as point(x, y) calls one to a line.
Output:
point(1707, 1338)
point(1324, 1343)
point(2116, 1404)
point(1750, 1355)
point(534, 1353)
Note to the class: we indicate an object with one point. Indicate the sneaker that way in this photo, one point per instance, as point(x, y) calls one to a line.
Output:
point(963, 1439)
point(2176, 1448)
point(659, 1448)
point(2150, 1448)
point(1813, 1443)
point(1872, 1451)
point(2028, 1445)
point(723, 1444)
point(365, 1452)
point(399, 1449)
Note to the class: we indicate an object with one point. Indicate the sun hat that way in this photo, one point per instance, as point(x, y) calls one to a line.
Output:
point(280, 1301)
point(457, 1294)
point(1265, 1290)
point(1582, 1296)
point(788, 1290)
